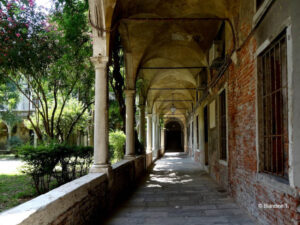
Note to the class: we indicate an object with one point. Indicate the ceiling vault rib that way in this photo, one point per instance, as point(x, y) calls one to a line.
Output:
point(166, 19)
point(117, 23)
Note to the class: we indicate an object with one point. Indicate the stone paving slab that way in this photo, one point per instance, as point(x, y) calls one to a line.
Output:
point(178, 192)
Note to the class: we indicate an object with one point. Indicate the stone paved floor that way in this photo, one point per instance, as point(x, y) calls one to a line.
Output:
point(178, 192)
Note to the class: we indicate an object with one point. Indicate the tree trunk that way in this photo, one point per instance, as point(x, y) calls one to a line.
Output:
point(9, 132)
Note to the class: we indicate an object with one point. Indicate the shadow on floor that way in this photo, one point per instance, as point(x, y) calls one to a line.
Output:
point(177, 191)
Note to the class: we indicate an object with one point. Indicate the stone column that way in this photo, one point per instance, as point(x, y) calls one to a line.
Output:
point(158, 134)
point(162, 139)
point(101, 160)
point(142, 124)
point(129, 100)
point(153, 133)
point(149, 133)
point(185, 139)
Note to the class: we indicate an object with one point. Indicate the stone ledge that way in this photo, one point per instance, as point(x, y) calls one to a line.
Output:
point(44, 208)
point(274, 183)
point(81, 201)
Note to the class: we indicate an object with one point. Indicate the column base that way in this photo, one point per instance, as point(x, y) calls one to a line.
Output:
point(129, 157)
point(104, 168)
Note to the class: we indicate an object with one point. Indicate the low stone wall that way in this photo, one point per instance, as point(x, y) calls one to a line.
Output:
point(83, 201)
point(149, 160)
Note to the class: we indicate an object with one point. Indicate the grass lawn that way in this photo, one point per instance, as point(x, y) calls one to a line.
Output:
point(14, 190)
point(15, 187)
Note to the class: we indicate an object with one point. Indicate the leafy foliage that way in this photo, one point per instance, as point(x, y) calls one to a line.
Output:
point(14, 142)
point(115, 119)
point(9, 98)
point(116, 76)
point(117, 145)
point(55, 163)
point(73, 110)
point(24, 38)
point(50, 54)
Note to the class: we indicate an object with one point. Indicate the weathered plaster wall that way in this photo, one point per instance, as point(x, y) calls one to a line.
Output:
point(249, 187)
point(295, 80)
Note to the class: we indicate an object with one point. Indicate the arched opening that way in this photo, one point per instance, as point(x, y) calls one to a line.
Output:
point(174, 137)
point(3, 136)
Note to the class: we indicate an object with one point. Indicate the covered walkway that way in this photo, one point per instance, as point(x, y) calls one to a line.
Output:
point(177, 191)
point(217, 79)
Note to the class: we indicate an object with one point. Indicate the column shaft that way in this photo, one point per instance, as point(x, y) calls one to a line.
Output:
point(101, 160)
point(153, 133)
point(129, 100)
point(149, 133)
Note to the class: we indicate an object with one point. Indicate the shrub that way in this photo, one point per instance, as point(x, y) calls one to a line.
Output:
point(55, 163)
point(74, 162)
point(117, 141)
point(40, 164)
point(13, 143)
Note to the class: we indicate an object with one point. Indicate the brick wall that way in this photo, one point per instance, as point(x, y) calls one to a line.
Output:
point(248, 187)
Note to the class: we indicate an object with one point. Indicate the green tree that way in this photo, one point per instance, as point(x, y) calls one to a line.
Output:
point(9, 98)
point(73, 110)
point(50, 53)
point(116, 76)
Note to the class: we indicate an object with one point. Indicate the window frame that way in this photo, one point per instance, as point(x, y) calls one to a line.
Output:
point(206, 133)
point(285, 102)
point(225, 90)
point(260, 12)
point(197, 132)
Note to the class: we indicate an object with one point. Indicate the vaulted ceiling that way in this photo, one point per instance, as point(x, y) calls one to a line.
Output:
point(166, 44)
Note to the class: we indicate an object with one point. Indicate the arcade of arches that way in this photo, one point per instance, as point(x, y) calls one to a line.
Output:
point(217, 79)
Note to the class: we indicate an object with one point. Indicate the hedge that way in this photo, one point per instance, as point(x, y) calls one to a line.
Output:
point(55, 164)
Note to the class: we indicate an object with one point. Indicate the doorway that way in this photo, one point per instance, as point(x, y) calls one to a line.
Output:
point(174, 137)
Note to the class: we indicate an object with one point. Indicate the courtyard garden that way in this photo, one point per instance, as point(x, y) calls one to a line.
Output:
point(47, 97)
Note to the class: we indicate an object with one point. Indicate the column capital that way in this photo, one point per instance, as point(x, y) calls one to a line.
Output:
point(149, 115)
point(99, 61)
point(129, 92)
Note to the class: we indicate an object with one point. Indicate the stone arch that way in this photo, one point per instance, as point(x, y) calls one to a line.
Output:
point(3, 135)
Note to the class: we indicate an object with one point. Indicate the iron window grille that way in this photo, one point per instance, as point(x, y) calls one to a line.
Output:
point(274, 97)
point(197, 131)
point(223, 126)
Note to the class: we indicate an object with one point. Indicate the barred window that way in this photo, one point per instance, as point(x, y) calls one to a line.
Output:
point(223, 126)
point(197, 132)
point(273, 96)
